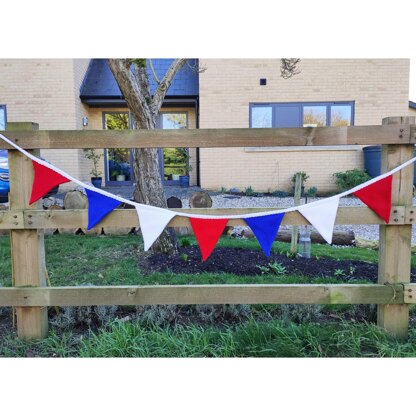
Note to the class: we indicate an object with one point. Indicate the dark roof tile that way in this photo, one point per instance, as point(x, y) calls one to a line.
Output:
point(99, 81)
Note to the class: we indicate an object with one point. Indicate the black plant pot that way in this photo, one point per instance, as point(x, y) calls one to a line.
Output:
point(97, 182)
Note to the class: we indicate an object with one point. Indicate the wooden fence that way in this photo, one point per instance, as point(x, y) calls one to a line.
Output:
point(26, 223)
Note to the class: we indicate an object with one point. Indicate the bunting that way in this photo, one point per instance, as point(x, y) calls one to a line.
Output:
point(322, 216)
point(377, 196)
point(265, 229)
point(207, 233)
point(44, 180)
point(152, 223)
point(98, 207)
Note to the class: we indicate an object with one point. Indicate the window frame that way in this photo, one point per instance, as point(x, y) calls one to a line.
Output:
point(109, 182)
point(4, 107)
point(161, 151)
point(302, 104)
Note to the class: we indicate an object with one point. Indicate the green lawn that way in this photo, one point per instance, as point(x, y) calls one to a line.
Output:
point(192, 331)
point(112, 260)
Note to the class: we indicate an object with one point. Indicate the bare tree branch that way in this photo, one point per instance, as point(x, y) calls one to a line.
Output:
point(136, 96)
point(164, 85)
point(196, 67)
point(289, 67)
point(153, 72)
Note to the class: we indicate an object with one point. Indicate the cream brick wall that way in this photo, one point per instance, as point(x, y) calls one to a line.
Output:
point(46, 91)
point(379, 88)
point(95, 116)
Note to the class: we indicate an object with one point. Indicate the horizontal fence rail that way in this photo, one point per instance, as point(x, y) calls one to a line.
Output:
point(332, 294)
point(393, 293)
point(302, 136)
point(41, 219)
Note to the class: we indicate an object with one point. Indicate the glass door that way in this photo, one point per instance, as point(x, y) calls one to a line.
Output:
point(118, 162)
point(175, 159)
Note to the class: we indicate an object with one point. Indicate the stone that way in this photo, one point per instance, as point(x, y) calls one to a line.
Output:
point(200, 199)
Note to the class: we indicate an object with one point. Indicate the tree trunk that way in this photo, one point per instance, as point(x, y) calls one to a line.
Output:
point(149, 190)
point(144, 110)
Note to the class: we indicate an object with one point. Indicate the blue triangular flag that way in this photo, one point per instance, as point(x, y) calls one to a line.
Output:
point(265, 229)
point(98, 207)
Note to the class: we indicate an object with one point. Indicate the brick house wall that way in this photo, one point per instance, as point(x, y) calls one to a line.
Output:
point(46, 91)
point(378, 87)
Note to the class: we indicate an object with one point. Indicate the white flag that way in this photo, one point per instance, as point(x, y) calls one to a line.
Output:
point(322, 216)
point(152, 222)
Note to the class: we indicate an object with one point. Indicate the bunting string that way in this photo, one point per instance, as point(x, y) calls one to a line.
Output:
point(203, 216)
point(375, 193)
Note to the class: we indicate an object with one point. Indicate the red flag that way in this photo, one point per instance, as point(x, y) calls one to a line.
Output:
point(45, 179)
point(207, 232)
point(377, 196)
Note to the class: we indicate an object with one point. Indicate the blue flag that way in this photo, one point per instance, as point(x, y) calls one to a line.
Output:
point(98, 207)
point(265, 229)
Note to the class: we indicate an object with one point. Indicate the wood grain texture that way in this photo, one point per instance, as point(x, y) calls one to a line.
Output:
point(410, 293)
point(236, 137)
point(395, 241)
point(203, 294)
point(63, 219)
point(27, 247)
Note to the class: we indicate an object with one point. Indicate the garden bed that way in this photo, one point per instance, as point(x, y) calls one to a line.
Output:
point(246, 262)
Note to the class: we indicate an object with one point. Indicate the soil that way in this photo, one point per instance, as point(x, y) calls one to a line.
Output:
point(246, 262)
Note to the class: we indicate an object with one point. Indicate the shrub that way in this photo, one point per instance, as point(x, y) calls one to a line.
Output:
point(350, 178)
point(312, 191)
point(249, 191)
point(280, 194)
point(303, 176)
point(185, 242)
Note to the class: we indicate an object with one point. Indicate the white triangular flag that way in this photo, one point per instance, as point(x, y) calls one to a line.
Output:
point(322, 216)
point(152, 222)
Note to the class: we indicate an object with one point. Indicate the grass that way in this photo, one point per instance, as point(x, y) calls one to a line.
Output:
point(252, 339)
point(112, 260)
point(265, 331)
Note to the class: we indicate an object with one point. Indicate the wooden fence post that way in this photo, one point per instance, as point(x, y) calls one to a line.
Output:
point(28, 250)
point(395, 240)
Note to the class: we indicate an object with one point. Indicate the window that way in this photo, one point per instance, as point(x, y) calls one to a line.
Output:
point(118, 161)
point(3, 117)
point(341, 115)
point(175, 160)
point(302, 114)
point(261, 116)
point(314, 116)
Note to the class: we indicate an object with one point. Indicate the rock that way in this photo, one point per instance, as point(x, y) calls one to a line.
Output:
point(364, 243)
point(234, 191)
point(200, 199)
point(174, 202)
point(47, 202)
point(75, 200)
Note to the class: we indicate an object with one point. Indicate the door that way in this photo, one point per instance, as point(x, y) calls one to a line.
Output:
point(118, 162)
point(174, 160)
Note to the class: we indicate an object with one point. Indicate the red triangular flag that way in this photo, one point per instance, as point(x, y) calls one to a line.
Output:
point(377, 196)
point(207, 233)
point(45, 179)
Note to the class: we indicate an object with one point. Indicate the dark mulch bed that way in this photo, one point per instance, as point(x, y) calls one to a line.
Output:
point(244, 262)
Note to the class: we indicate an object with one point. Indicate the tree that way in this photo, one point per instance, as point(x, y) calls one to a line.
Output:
point(133, 80)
